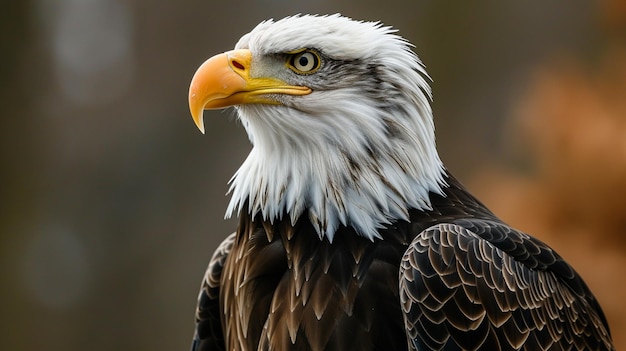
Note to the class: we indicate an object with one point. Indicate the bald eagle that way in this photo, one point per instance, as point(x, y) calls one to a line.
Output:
point(352, 234)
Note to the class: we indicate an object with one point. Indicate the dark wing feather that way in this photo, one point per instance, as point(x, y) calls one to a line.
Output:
point(208, 335)
point(480, 285)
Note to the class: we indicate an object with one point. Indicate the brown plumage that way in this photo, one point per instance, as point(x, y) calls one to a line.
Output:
point(461, 278)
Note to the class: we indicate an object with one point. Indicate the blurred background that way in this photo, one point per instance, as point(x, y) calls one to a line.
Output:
point(112, 202)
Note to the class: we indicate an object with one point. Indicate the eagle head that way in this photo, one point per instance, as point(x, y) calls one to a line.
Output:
point(338, 114)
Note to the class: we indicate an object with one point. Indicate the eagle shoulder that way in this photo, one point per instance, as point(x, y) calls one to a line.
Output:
point(479, 284)
point(208, 334)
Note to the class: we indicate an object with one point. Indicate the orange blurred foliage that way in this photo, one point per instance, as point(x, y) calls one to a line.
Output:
point(572, 125)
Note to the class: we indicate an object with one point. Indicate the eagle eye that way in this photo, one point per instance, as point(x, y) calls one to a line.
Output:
point(304, 62)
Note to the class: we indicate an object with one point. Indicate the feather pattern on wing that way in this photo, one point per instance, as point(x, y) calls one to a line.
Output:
point(478, 284)
point(209, 334)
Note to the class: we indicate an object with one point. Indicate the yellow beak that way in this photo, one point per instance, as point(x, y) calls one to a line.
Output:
point(224, 80)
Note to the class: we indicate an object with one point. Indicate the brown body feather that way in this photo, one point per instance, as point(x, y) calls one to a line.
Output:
point(452, 278)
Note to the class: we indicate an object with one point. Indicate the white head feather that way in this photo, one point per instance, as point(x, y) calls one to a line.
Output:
point(359, 150)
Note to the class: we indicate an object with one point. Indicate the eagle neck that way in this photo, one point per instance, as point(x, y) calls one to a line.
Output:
point(334, 176)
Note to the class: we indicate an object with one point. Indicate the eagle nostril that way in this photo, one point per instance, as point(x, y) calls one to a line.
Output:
point(237, 65)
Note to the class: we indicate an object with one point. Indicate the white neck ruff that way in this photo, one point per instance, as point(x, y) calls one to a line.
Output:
point(342, 164)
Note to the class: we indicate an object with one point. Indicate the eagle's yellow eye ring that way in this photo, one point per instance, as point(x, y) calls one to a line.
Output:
point(304, 62)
